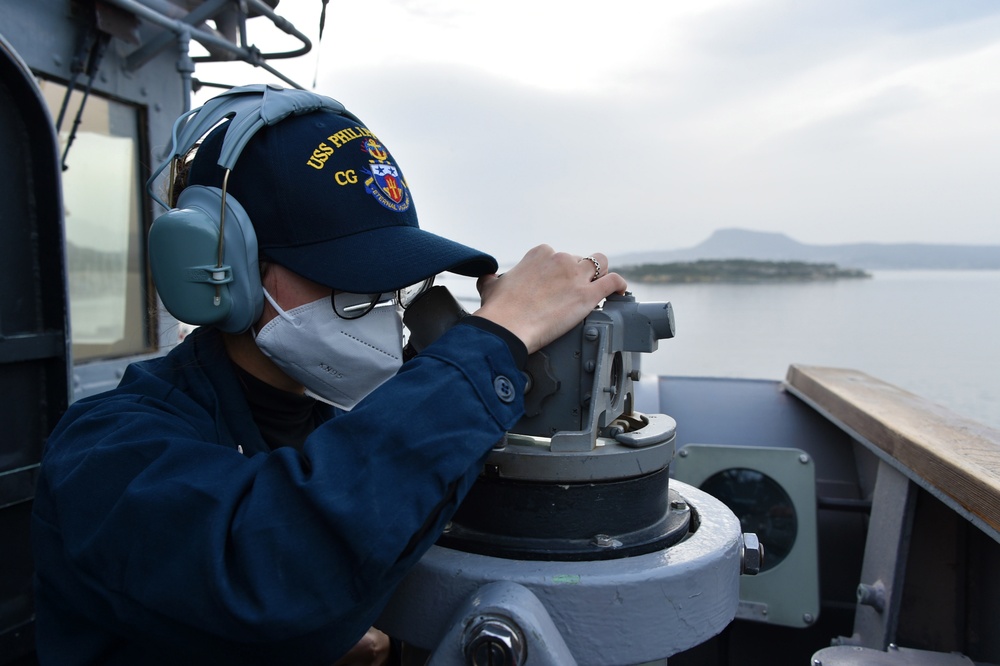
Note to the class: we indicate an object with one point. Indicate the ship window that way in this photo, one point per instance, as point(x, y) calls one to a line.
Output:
point(102, 203)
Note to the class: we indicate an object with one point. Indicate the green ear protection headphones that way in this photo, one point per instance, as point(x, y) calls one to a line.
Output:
point(203, 253)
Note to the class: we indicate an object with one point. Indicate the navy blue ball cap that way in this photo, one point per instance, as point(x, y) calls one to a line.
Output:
point(328, 201)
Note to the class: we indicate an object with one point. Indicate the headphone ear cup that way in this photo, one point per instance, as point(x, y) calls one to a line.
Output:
point(184, 260)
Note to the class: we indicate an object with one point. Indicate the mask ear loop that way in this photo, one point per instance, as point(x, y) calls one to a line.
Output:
point(277, 308)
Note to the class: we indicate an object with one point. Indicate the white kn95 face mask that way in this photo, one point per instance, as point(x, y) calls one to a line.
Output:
point(338, 360)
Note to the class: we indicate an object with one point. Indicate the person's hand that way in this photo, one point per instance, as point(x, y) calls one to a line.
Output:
point(546, 294)
point(371, 650)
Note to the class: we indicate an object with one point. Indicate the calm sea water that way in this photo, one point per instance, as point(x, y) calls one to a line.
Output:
point(933, 333)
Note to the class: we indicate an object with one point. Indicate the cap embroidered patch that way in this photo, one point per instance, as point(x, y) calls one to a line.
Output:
point(384, 182)
point(387, 187)
point(376, 149)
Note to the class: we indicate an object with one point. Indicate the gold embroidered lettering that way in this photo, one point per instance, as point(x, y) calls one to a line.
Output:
point(348, 177)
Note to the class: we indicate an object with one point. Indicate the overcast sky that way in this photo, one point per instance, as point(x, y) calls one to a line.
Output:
point(627, 125)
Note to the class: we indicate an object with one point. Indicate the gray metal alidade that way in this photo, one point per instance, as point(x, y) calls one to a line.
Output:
point(574, 546)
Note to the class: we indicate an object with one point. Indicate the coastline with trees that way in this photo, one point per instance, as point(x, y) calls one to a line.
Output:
point(737, 271)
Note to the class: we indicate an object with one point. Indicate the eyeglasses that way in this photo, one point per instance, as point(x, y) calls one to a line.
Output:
point(348, 305)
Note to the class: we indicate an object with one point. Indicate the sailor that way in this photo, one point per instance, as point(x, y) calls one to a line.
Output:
point(256, 496)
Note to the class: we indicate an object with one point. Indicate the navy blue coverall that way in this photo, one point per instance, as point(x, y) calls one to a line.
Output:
point(166, 531)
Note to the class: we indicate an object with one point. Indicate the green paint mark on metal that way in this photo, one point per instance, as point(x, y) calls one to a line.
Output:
point(566, 579)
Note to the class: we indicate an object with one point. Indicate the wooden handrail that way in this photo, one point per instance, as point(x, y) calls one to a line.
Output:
point(955, 456)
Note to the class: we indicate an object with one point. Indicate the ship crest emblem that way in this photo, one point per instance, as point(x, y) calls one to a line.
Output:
point(387, 187)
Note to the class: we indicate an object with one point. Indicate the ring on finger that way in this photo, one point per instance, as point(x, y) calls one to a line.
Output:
point(597, 267)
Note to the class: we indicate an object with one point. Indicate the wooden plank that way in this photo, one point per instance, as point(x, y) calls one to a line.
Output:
point(954, 455)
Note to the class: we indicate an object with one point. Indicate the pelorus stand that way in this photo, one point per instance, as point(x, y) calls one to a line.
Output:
point(575, 546)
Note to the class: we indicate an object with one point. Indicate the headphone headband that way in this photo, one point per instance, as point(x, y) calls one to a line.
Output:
point(249, 108)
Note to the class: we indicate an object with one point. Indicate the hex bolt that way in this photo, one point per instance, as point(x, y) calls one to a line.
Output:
point(804, 458)
point(603, 541)
point(678, 505)
point(751, 554)
point(872, 595)
point(495, 641)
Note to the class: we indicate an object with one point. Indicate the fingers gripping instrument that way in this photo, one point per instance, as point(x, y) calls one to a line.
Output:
point(203, 253)
point(580, 386)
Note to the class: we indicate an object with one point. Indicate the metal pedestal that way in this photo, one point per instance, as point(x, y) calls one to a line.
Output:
point(605, 612)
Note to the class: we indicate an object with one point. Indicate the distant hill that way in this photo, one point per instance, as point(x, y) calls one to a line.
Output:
point(770, 246)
